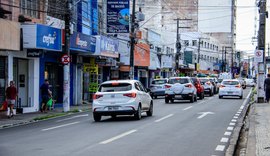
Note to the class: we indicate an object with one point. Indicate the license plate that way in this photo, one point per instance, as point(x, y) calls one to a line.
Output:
point(178, 96)
point(113, 108)
point(230, 92)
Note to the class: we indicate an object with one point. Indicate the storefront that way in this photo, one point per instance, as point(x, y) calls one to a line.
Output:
point(44, 43)
point(154, 68)
point(85, 73)
point(141, 62)
point(107, 57)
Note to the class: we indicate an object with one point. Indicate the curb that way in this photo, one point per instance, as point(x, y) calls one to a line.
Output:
point(237, 130)
point(34, 121)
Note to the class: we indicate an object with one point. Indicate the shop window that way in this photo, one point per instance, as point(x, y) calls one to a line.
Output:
point(2, 79)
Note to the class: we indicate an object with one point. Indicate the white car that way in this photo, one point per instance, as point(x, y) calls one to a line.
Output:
point(250, 82)
point(121, 97)
point(230, 87)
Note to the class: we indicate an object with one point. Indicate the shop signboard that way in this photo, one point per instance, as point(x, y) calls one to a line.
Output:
point(124, 48)
point(118, 16)
point(82, 42)
point(94, 17)
point(142, 55)
point(109, 47)
point(166, 61)
point(154, 61)
point(37, 36)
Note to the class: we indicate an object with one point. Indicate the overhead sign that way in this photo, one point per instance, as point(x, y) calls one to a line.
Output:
point(37, 36)
point(82, 42)
point(118, 16)
point(258, 56)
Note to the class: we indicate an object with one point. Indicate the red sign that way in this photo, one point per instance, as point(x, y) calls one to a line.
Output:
point(65, 59)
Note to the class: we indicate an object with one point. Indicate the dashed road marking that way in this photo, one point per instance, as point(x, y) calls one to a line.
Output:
point(237, 114)
point(165, 117)
point(228, 133)
point(118, 137)
point(233, 120)
point(188, 108)
point(64, 125)
point(224, 140)
point(230, 128)
point(220, 148)
point(232, 124)
point(235, 117)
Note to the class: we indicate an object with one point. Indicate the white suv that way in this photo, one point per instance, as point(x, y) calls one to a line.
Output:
point(122, 97)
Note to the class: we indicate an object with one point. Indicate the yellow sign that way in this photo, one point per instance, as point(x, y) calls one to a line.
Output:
point(93, 87)
point(90, 69)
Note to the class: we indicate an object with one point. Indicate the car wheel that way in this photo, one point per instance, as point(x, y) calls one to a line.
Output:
point(192, 99)
point(201, 96)
point(211, 93)
point(166, 100)
point(220, 97)
point(241, 97)
point(97, 117)
point(150, 111)
point(155, 97)
point(195, 99)
point(138, 114)
point(172, 100)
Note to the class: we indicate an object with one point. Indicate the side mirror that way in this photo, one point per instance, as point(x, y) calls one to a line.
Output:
point(148, 90)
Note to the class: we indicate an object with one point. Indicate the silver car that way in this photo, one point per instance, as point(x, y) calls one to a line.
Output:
point(180, 88)
point(208, 86)
point(157, 87)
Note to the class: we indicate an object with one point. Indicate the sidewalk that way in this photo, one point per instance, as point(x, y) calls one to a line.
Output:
point(258, 141)
point(20, 119)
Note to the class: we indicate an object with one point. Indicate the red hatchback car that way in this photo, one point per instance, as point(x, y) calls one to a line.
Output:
point(199, 87)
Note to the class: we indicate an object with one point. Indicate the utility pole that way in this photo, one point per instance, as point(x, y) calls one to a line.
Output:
point(261, 46)
point(222, 65)
point(178, 42)
point(199, 50)
point(132, 41)
point(66, 84)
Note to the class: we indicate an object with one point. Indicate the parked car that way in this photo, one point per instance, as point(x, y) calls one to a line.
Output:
point(157, 87)
point(122, 97)
point(200, 89)
point(250, 82)
point(180, 88)
point(219, 82)
point(231, 87)
point(208, 86)
point(214, 81)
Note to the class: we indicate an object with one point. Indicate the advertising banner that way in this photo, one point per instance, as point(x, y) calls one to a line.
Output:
point(142, 55)
point(109, 47)
point(118, 16)
point(82, 42)
point(94, 17)
point(166, 61)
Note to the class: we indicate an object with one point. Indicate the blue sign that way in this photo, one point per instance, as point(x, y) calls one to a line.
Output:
point(118, 16)
point(94, 17)
point(48, 38)
point(108, 44)
point(82, 42)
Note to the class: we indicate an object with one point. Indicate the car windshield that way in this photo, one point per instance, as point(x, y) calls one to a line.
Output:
point(115, 87)
point(157, 82)
point(178, 80)
point(220, 80)
point(204, 80)
point(230, 83)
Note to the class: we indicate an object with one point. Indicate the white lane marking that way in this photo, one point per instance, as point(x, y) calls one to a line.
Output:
point(203, 114)
point(224, 140)
point(242, 107)
point(232, 124)
point(228, 133)
point(220, 148)
point(77, 116)
point(230, 128)
point(188, 108)
point(235, 117)
point(165, 117)
point(118, 137)
point(233, 120)
point(237, 114)
point(64, 125)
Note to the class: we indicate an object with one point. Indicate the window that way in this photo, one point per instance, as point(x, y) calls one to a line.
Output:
point(179, 80)
point(30, 8)
point(115, 87)
point(194, 42)
point(186, 42)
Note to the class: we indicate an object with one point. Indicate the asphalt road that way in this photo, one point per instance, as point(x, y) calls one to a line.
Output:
point(200, 129)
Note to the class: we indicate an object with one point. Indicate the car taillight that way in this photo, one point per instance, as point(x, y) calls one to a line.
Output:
point(131, 95)
point(221, 86)
point(168, 86)
point(96, 96)
point(189, 86)
point(238, 86)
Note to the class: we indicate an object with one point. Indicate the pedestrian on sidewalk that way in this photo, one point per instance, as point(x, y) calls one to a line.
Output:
point(11, 95)
point(267, 88)
point(45, 95)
